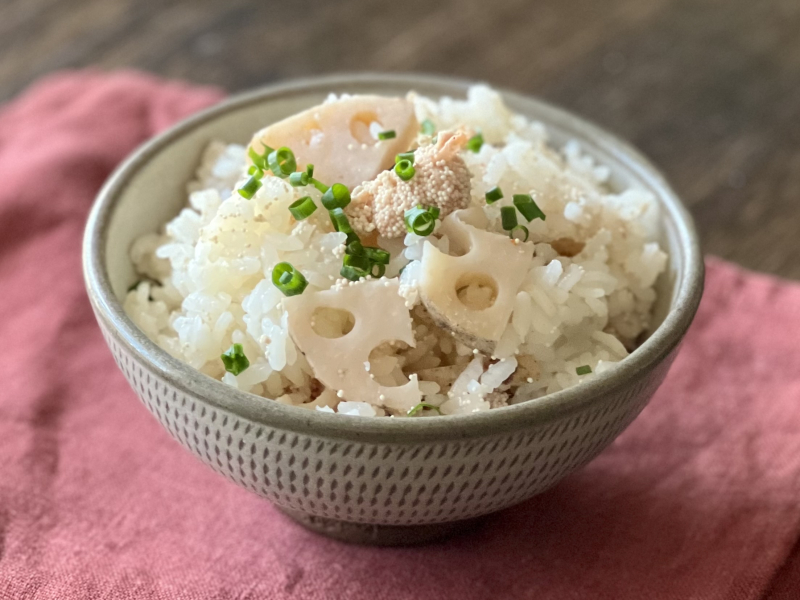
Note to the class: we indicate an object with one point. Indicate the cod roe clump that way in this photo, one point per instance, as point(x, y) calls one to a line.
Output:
point(441, 179)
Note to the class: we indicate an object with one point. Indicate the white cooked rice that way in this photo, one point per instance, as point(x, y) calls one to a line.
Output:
point(209, 273)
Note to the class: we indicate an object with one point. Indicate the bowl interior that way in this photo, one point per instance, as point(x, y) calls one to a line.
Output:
point(157, 191)
point(149, 189)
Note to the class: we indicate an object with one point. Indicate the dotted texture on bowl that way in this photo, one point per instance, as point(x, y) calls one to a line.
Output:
point(386, 484)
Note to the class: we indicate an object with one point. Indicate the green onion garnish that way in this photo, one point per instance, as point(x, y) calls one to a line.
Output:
point(387, 135)
point(418, 408)
point(255, 170)
point(369, 260)
point(405, 169)
point(528, 207)
point(288, 280)
point(282, 162)
point(310, 170)
point(234, 359)
point(351, 273)
point(319, 185)
point(259, 160)
point(340, 221)
point(493, 195)
point(336, 196)
point(303, 208)
point(409, 156)
point(420, 220)
point(427, 127)
point(357, 262)
point(508, 217)
point(250, 187)
point(355, 248)
point(475, 142)
point(299, 179)
point(355, 267)
point(521, 230)
point(377, 255)
point(584, 370)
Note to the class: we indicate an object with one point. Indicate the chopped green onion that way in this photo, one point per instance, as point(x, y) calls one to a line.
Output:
point(387, 135)
point(427, 127)
point(584, 370)
point(363, 261)
point(255, 170)
point(340, 221)
point(351, 273)
point(234, 359)
point(405, 169)
point(409, 156)
point(355, 248)
point(259, 160)
point(519, 228)
point(357, 262)
point(420, 220)
point(288, 280)
point(336, 196)
point(282, 162)
point(493, 195)
point(355, 267)
point(529, 209)
point(303, 208)
point(299, 179)
point(319, 185)
point(475, 142)
point(418, 408)
point(508, 217)
point(310, 170)
point(377, 255)
point(377, 274)
point(342, 224)
point(250, 187)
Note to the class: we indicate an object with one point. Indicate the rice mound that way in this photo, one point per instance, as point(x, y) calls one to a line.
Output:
point(586, 298)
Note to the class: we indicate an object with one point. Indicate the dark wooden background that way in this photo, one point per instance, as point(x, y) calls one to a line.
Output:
point(710, 90)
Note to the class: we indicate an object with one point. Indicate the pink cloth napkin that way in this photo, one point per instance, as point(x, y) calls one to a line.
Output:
point(699, 498)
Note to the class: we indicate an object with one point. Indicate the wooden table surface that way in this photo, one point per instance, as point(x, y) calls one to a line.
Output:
point(710, 90)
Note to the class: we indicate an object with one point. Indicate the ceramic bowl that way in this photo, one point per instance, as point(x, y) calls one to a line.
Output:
point(372, 480)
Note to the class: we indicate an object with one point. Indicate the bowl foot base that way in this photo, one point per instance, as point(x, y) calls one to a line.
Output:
point(379, 535)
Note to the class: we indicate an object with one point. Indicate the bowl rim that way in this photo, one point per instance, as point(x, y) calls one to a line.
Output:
point(535, 412)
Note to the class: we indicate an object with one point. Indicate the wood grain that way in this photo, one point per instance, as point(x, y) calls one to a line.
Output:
point(710, 90)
